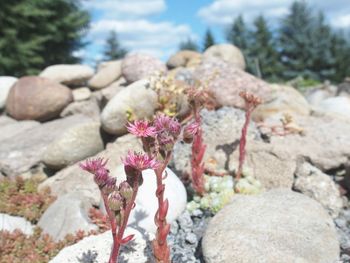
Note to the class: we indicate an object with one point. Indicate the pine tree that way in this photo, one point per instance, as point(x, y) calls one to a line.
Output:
point(38, 33)
point(208, 40)
point(296, 42)
point(113, 49)
point(340, 51)
point(263, 51)
point(189, 44)
point(238, 34)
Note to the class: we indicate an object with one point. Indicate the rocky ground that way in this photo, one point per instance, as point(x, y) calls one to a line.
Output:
point(298, 159)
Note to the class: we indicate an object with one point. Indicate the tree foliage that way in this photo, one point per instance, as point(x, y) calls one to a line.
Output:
point(113, 48)
point(38, 33)
point(188, 44)
point(208, 40)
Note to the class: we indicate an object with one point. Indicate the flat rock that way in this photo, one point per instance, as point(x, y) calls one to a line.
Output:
point(100, 245)
point(5, 86)
point(319, 186)
point(74, 179)
point(68, 74)
point(10, 223)
point(11, 129)
point(136, 100)
point(140, 66)
point(228, 53)
point(277, 226)
point(107, 73)
point(73, 145)
point(67, 215)
point(25, 150)
point(36, 98)
point(226, 81)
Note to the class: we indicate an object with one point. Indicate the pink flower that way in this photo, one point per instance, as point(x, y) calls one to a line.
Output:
point(140, 161)
point(192, 128)
point(164, 123)
point(141, 128)
point(94, 165)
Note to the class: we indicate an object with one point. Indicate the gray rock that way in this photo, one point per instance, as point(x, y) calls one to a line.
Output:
point(25, 150)
point(5, 85)
point(136, 100)
point(228, 53)
point(135, 252)
point(140, 66)
point(81, 94)
point(10, 130)
point(74, 179)
point(319, 186)
point(77, 143)
point(68, 74)
point(5, 120)
point(221, 133)
point(226, 81)
point(89, 108)
point(277, 226)
point(106, 74)
point(10, 223)
point(67, 215)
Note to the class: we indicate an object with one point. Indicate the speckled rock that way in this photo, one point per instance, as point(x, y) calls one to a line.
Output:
point(36, 98)
point(228, 53)
point(76, 144)
point(68, 74)
point(106, 74)
point(139, 66)
point(136, 100)
point(292, 228)
point(319, 186)
point(226, 81)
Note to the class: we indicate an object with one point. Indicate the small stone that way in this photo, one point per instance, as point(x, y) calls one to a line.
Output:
point(81, 94)
point(107, 72)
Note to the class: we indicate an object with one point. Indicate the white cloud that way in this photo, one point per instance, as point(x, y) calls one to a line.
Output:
point(158, 39)
point(222, 12)
point(126, 8)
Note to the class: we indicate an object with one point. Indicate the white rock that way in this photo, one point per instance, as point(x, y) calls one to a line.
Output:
point(107, 73)
point(134, 252)
point(68, 74)
point(10, 223)
point(147, 203)
point(5, 85)
point(136, 99)
point(336, 106)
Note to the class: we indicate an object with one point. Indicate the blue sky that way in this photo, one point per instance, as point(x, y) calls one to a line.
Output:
point(157, 26)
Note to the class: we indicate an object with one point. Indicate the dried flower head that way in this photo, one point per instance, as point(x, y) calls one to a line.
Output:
point(250, 99)
point(141, 128)
point(140, 161)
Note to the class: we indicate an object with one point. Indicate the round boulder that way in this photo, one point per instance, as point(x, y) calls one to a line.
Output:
point(36, 98)
point(184, 58)
point(137, 101)
point(228, 53)
point(139, 66)
point(107, 73)
point(76, 144)
point(277, 226)
point(68, 74)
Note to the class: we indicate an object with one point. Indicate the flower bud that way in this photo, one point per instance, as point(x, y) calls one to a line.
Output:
point(115, 201)
point(125, 190)
point(110, 185)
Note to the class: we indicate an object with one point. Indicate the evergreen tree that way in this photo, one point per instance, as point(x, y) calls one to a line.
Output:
point(113, 49)
point(208, 40)
point(296, 41)
point(263, 51)
point(38, 33)
point(340, 51)
point(238, 34)
point(189, 44)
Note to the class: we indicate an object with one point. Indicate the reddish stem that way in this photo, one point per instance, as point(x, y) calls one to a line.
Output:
point(242, 142)
point(160, 247)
